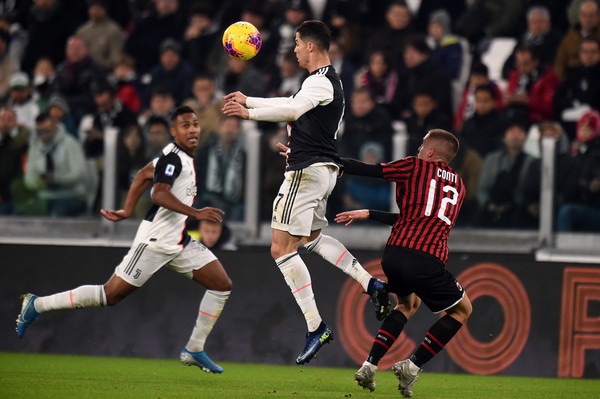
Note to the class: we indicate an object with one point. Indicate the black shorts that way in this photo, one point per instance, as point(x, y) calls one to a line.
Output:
point(409, 271)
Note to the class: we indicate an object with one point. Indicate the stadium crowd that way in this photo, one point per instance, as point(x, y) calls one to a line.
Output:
point(70, 69)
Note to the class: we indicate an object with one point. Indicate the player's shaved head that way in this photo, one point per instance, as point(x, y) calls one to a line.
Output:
point(443, 142)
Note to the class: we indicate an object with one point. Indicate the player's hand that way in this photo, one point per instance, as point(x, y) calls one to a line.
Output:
point(237, 97)
point(285, 150)
point(115, 216)
point(209, 213)
point(231, 108)
point(350, 217)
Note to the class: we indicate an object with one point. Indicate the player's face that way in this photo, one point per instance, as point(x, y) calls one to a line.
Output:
point(186, 132)
point(301, 51)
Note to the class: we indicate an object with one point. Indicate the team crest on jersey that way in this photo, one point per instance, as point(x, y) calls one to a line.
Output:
point(460, 288)
point(170, 170)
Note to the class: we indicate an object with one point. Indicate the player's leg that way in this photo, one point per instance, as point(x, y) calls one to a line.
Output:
point(386, 336)
point(332, 250)
point(84, 296)
point(293, 211)
point(441, 292)
point(138, 265)
point(200, 264)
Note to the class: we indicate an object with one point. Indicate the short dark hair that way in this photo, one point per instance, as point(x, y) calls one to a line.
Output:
point(418, 42)
point(184, 109)
point(479, 68)
point(157, 120)
point(317, 32)
point(42, 117)
point(448, 151)
point(486, 88)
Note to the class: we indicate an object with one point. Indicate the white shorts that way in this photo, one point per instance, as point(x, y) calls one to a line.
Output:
point(300, 205)
point(142, 261)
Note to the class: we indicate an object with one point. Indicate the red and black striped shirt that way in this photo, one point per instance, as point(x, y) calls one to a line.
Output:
point(429, 196)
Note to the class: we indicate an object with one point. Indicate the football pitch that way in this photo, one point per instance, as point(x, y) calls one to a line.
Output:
point(60, 376)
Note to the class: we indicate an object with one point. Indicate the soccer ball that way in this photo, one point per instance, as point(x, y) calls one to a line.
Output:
point(242, 40)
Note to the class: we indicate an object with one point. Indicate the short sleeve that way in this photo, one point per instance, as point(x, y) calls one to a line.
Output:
point(167, 169)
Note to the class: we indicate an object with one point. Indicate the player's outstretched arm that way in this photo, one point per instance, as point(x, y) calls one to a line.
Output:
point(139, 185)
point(350, 217)
point(162, 196)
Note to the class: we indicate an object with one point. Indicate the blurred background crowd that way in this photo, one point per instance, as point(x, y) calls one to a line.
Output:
point(500, 74)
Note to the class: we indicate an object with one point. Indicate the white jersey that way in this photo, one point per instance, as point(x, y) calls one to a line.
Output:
point(162, 229)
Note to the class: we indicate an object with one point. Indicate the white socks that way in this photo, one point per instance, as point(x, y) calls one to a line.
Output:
point(371, 366)
point(297, 277)
point(336, 253)
point(82, 297)
point(211, 307)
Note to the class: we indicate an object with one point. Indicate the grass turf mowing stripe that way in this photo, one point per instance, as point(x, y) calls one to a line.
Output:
point(60, 376)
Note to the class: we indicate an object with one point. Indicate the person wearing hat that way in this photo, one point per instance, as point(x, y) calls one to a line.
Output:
point(60, 112)
point(104, 36)
point(22, 99)
point(447, 51)
point(8, 64)
point(172, 71)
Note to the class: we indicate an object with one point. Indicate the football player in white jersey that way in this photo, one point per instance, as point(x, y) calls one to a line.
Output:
point(313, 114)
point(161, 240)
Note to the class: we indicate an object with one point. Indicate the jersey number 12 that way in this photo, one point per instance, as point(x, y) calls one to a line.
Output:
point(452, 200)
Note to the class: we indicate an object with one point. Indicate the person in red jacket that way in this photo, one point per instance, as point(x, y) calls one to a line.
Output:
point(531, 88)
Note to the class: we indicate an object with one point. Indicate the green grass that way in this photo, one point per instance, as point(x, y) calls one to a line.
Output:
point(57, 376)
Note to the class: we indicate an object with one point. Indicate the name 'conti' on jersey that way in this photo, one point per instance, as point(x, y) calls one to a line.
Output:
point(163, 228)
point(312, 137)
point(430, 195)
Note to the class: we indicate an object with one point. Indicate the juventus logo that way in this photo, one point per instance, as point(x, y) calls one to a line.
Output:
point(138, 272)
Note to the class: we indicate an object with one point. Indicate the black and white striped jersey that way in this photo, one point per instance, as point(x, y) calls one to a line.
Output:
point(163, 228)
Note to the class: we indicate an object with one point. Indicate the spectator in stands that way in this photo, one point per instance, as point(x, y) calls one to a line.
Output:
point(14, 142)
point(421, 74)
point(345, 69)
point(213, 235)
point(581, 210)
point(391, 37)
point(172, 71)
point(366, 122)
point(425, 116)
point(478, 77)
point(202, 45)
point(296, 12)
point(207, 102)
point(220, 167)
point(454, 8)
point(364, 192)
point(485, 19)
point(290, 77)
point(164, 21)
point(131, 157)
point(567, 54)
point(56, 169)
point(241, 76)
point(157, 135)
point(484, 131)
point(23, 99)
point(44, 75)
point(162, 103)
point(467, 163)
point(502, 181)
point(59, 111)
point(104, 37)
point(48, 28)
point(539, 35)
point(447, 50)
point(563, 166)
point(8, 65)
point(346, 29)
point(380, 78)
point(531, 88)
point(17, 37)
point(75, 75)
point(128, 86)
point(580, 91)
